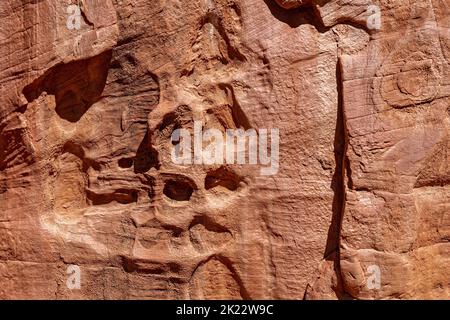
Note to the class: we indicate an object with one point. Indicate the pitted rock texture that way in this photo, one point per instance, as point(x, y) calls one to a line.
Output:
point(86, 176)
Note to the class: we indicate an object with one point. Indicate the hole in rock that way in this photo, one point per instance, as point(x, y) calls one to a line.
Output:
point(122, 196)
point(125, 163)
point(178, 190)
point(76, 85)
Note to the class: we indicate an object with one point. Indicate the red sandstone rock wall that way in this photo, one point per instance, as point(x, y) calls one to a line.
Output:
point(359, 91)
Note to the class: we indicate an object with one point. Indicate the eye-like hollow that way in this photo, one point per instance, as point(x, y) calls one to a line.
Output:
point(178, 190)
point(125, 163)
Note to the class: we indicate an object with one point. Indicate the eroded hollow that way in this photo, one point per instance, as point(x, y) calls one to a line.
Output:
point(178, 190)
point(223, 177)
point(76, 85)
point(122, 196)
point(125, 163)
point(146, 156)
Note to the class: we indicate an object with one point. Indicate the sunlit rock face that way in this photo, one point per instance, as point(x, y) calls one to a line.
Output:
point(92, 204)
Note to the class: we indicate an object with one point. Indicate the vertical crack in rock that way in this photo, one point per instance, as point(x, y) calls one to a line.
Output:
point(338, 182)
point(332, 250)
point(83, 11)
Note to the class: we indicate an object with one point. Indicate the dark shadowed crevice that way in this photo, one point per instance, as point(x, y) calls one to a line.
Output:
point(125, 163)
point(122, 196)
point(78, 151)
point(76, 85)
point(240, 119)
point(293, 17)
point(146, 157)
point(85, 18)
point(309, 14)
point(178, 190)
point(339, 181)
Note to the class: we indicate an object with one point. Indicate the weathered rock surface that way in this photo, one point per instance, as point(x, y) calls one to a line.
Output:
point(86, 177)
point(291, 4)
